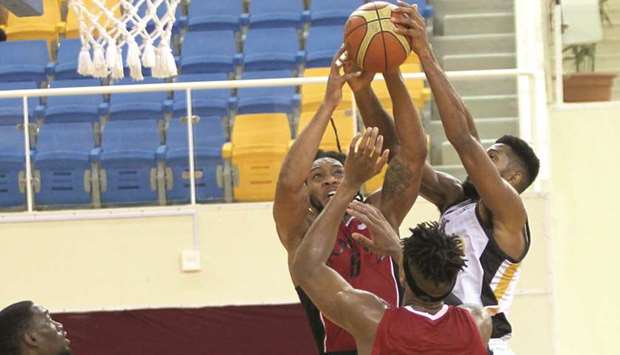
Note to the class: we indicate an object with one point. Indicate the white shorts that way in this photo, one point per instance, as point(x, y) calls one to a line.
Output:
point(500, 347)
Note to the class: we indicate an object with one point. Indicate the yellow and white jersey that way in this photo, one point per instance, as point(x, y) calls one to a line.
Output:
point(491, 276)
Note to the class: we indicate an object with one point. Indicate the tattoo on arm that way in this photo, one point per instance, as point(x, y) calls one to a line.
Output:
point(398, 179)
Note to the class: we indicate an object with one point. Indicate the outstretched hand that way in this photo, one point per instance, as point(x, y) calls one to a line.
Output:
point(385, 240)
point(358, 82)
point(336, 80)
point(410, 23)
point(366, 157)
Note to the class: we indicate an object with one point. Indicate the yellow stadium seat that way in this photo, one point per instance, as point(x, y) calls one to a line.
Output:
point(258, 146)
point(72, 27)
point(419, 94)
point(345, 125)
point(312, 94)
point(44, 27)
point(376, 182)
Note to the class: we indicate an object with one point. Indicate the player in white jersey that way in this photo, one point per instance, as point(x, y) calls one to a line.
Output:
point(485, 210)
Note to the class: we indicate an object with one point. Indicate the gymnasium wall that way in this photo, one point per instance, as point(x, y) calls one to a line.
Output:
point(584, 204)
point(90, 266)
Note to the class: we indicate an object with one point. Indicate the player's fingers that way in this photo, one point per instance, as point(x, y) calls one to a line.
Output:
point(350, 76)
point(382, 160)
point(363, 217)
point(354, 141)
point(366, 242)
point(378, 145)
point(370, 143)
point(361, 148)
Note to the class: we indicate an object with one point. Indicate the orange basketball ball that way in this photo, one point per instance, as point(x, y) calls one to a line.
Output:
point(371, 40)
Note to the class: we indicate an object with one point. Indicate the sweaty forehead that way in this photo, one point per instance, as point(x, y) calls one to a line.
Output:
point(325, 162)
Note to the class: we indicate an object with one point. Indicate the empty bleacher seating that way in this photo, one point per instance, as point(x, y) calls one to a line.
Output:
point(62, 163)
point(128, 162)
point(209, 138)
point(272, 49)
point(276, 13)
point(331, 12)
point(215, 15)
point(256, 150)
point(322, 44)
point(66, 63)
point(209, 52)
point(204, 102)
point(140, 105)
point(86, 108)
point(268, 99)
point(131, 149)
point(312, 94)
point(345, 126)
point(12, 163)
point(336, 12)
point(11, 110)
point(23, 61)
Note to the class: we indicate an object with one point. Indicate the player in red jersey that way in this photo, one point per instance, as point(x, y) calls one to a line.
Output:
point(307, 182)
point(430, 260)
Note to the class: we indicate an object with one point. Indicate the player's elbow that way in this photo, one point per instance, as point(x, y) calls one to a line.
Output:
point(302, 268)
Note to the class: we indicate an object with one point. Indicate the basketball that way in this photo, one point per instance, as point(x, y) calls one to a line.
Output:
point(371, 40)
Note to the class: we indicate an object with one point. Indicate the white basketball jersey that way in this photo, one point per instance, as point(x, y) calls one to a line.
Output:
point(490, 277)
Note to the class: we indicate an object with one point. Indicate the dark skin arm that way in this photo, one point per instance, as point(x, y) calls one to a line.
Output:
point(356, 311)
point(385, 241)
point(402, 179)
point(439, 188)
point(499, 200)
point(291, 199)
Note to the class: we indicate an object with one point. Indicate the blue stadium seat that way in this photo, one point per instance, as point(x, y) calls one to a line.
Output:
point(272, 49)
point(321, 45)
point(332, 12)
point(336, 12)
point(67, 62)
point(12, 165)
point(128, 162)
point(209, 52)
point(215, 15)
point(276, 13)
point(425, 9)
point(204, 102)
point(11, 110)
point(140, 105)
point(268, 99)
point(208, 140)
point(62, 163)
point(161, 10)
point(23, 61)
point(74, 108)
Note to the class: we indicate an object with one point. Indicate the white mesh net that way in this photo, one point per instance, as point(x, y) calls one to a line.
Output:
point(107, 26)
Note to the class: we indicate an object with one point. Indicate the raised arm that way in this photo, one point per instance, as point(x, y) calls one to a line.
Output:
point(439, 188)
point(358, 312)
point(404, 173)
point(291, 200)
point(497, 195)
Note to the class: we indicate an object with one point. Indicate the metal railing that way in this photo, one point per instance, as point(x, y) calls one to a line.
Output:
point(189, 87)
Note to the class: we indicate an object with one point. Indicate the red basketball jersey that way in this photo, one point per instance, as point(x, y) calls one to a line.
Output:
point(363, 270)
point(451, 331)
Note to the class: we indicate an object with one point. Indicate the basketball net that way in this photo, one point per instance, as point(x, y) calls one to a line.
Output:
point(106, 29)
